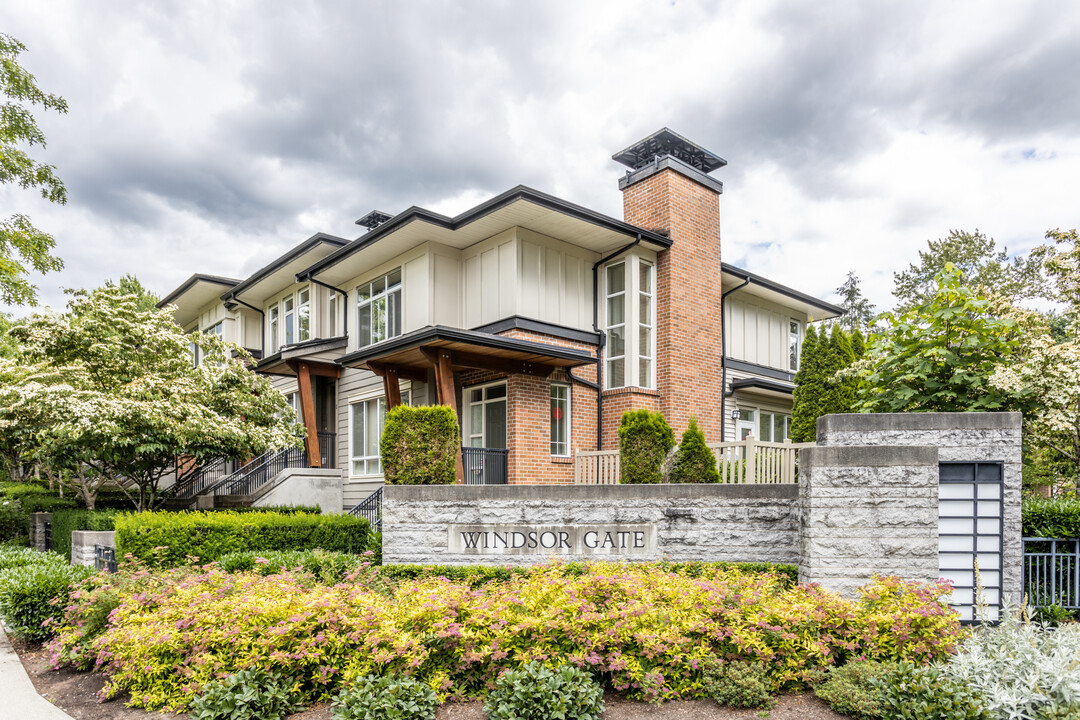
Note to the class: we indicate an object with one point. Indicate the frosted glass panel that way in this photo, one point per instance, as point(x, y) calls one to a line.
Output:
point(965, 579)
point(956, 561)
point(989, 527)
point(960, 543)
point(989, 508)
point(959, 508)
point(954, 526)
point(950, 491)
point(990, 543)
point(989, 491)
point(989, 561)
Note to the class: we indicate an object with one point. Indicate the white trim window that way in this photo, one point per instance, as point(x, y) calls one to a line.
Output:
point(331, 314)
point(615, 352)
point(288, 309)
point(794, 344)
point(378, 309)
point(367, 418)
point(486, 413)
point(217, 330)
point(193, 349)
point(560, 420)
point(303, 315)
point(646, 323)
point(273, 314)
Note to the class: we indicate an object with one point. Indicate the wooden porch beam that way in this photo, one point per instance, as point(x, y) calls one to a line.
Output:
point(315, 368)
point(307, 413)
point(391, 388)
point(404, 372)
point(476, 361)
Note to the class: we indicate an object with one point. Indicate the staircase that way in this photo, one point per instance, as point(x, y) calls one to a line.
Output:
point(371, 509)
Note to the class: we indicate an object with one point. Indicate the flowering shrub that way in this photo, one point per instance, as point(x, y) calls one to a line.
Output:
point(649, 632)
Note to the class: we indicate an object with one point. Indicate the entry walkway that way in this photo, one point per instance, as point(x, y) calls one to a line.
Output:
point(17, 693)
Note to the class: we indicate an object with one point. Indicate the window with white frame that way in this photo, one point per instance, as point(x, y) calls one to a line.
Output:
point(331, 314)
point(378, 309)
point(615, 366)
point(486, 411)
point(773, 426)
point(193, 348)
point(366, 421)
point(217, 330)
point(288, 309)
point(794, 344)
point(303, 315)
point(645, 323)
point(272, 315)
point(560, 419)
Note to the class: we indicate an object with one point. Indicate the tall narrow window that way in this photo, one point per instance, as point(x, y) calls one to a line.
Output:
point(794, 337)
point(193, 348)
point(645, 324)
point(331, 314)
point(378, 311)
point(560, 419)
point(303, 315)
point(287, 307)
point(615, 370)
point(275, 341)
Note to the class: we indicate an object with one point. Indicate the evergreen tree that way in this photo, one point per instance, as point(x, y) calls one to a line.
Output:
point(859, 311)
point(694, 462)
point(841, 395)
point(858, 344)
point(817, 390)
point(808, 390)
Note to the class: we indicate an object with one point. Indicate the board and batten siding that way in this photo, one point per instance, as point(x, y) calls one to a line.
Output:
point(757, 332)
point(750, 399)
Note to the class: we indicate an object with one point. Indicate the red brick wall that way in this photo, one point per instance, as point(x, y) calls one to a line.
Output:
point(618, 401)
point(688, 362)
point(528, 430)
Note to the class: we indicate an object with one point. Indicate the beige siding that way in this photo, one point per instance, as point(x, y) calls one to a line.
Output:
point(757, 332)
point(446, 287)
point(555, 281)
point(489, 280)
point(416, 293)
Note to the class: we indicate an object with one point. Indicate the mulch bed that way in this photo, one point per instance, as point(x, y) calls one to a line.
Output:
point(76, 694)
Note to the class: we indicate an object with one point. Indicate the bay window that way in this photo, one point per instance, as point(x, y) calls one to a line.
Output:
point(630, 323)
point(615, 371)
point(645, 323)
point(378, 309)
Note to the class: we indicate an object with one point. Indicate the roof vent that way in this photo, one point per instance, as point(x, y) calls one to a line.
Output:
point(373, 219)
point(665, 142)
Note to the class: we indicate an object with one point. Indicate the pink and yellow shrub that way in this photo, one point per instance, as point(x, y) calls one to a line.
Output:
point(642, 630)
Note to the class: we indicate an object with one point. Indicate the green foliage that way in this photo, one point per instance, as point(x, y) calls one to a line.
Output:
point(251, 694)
point(129, 285)
point(939, 357)
point(64, 522)
point(537, 692)
point(212, 535)
point(694, 461)
point(18, 500)
point(848, 689)
point(979, 265)
point(738, 684)
point(14, 523)
point(859, 311)
point(818, 390)
point(326, 567)
point(911, 692)
point(1051, 517)
point(645, 438)
point(27, 590)
point(420, 445)
point(20, 242)
point(389, 697)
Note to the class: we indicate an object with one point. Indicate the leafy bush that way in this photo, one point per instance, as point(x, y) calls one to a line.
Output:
point(911, 692)
point(848, 689)
point(26, 595)
point(280, 509)
point(536, 692)
point(18, 501)
point(420, 445)
point(327, 567)
point(13, 557)
point(645, 439)
point(212, 535)
point(738, 684)
point(250, 694)
point(1051, 517)
point(646, 630)
point(14, 523)
point(694, 461)
point(64, 522)
point(390, 697)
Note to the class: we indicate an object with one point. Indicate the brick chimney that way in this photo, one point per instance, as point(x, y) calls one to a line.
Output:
point(668, 190)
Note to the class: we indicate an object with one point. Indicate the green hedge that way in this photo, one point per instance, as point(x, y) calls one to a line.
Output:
point(29, 580)
point(64, 522)
point(328, 567)
point(420, 445)
point(644, 441)
point(211, 535)
point(1051, 517)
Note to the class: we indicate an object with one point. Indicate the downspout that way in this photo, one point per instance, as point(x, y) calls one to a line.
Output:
point(603, 341)
point(262, 323)
point(344, 303)
point(723, 358)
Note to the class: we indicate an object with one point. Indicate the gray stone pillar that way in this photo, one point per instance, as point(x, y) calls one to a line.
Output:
point(38, 521)
point(83, 543)
point(865, 511)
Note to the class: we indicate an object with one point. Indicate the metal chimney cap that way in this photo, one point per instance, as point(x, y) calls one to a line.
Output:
point(666, 142)
point(374, 219)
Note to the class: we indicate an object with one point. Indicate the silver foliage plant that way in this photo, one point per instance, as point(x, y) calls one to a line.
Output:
point(1022, 670)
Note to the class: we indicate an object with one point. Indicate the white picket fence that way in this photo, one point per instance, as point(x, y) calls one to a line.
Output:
point(746, 461)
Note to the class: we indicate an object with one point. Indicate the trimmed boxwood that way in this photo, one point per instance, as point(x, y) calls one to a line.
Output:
point(420, 445)
point(211, 535)
point(1051, 517)
point(645, 438)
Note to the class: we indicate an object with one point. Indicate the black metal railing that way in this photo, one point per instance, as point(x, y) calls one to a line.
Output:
point(197, 480)
point(46, 530)
point(104, 558)
point(328, 449)
point(485, 466)
point(1052, 572)
point(255, 477)
point(370, 508)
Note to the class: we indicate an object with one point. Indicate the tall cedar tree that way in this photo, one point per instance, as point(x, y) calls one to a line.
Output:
point(808, 390)
point(694, 461)
point(817, 391)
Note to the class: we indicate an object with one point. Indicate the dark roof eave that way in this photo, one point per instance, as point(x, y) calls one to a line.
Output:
point(520, 192)
point(762, 384)
point(191, 281)
point(782, 289)
point(280, 262)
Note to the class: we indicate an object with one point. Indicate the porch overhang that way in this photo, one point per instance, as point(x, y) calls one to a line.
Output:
point(320, 352)
point(413, 354)
point(762, 386)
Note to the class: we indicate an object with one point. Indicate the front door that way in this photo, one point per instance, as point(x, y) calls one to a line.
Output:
point(746, 423)
point(485, 454)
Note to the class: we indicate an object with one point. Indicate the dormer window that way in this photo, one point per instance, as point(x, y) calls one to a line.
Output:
point(378, 309)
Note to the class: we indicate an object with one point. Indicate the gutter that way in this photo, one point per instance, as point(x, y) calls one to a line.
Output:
point(344, 302)
point(723, 356)
point(262, 315)
point(599, 385)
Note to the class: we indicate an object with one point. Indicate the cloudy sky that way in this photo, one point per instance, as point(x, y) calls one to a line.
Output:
point(211, 135)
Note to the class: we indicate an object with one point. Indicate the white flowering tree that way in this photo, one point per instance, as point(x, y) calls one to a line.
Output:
point(106, 392)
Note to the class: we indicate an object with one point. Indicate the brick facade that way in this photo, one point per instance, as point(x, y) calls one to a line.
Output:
point(688, 362)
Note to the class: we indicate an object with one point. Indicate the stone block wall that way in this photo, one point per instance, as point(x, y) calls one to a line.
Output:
point(958, 437)
point(865, 511)
point(83, 543)
point(692, 522)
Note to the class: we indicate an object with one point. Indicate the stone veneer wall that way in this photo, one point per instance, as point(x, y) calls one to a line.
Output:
point(866, 511)
point(693, 522)
point(959, 437)
point(83, 543)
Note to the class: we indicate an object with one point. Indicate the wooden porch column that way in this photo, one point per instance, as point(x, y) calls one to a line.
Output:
point(444, 379)
point(391, 388)
point(307, 413)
